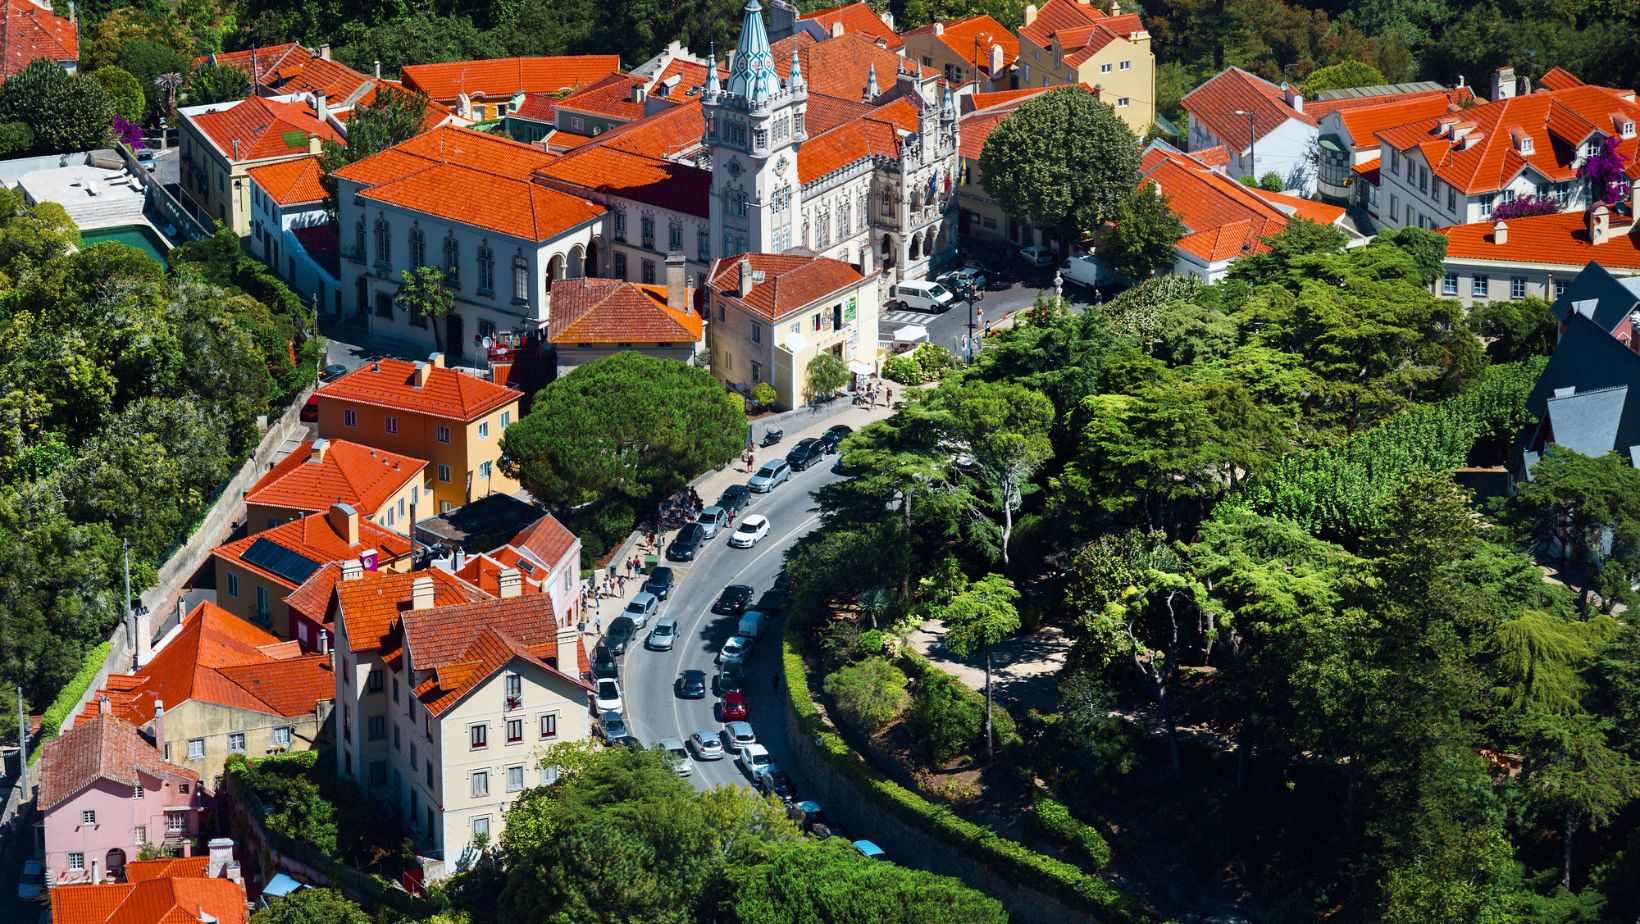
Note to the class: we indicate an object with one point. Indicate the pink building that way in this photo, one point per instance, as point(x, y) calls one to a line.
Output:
point(105, 792)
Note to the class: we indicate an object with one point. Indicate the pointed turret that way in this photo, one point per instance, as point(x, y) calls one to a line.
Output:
point(713, 88)
point(753, 76)
point(795, 82)
point(871, 83)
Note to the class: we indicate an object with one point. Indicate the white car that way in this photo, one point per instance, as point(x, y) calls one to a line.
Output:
point(753, 758)
point(608, 696)
point(735, 649)
point(737, 736)
point(712, 521)
point(1037, 255)
point(749, 531)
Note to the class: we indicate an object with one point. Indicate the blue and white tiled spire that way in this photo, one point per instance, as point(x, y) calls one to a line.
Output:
point(753, 76)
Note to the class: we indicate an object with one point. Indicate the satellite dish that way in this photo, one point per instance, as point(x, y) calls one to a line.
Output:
point(489, 342)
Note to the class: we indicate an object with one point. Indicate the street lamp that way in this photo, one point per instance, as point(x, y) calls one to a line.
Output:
point(1252, 140)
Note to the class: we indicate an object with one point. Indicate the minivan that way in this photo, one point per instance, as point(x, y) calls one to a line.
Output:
point(922, 295)
point(751, 624)
point(1085, 269)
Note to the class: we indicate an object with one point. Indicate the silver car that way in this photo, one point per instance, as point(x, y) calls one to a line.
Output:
point(712, 520)
point(705, 745)
point(738, 736)
point(772, 475)
point(662, 636)
point(677, 755)
point(641, 607)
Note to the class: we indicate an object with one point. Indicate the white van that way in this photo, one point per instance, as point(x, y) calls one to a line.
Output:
point(1085, 269)
point(922, 295)
point(752, 623)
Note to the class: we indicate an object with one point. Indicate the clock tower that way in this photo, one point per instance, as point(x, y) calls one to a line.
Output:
point(754, 125)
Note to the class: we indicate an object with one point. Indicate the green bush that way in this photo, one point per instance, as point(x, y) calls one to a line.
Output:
point(933, 360)
point(124, 92)
point(51, 721)
point(903, 369)
point(15, 137)
point(1003, 725)
point(1008, 860)
point(764, 394)
point(1057, 822)
point(943, 722)
point(870, 693)
point(1271, 182)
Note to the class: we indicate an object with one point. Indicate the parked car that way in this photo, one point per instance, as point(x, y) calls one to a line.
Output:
point(676, 755)
point(921, 295)
point(737, 736)
point(812, 819)
point(735, 497)
point(613, 727)
point(621, 631)
point(712, 520)
point(607, 696)
point(310, 410)
point(687, 544)
point(770, 476)
point(1088, 271)
point(662, 636)
point(833, 437)
point(603, 663)
point(773, 781)
point(692, 685)
point(705, 745)
point(805, 453)
point(752, 758)
point(732, 707)
point(1037, 255)
point(733, 600)
point(333, 372)
point(735, 649)
point(870, 851)
point(640, 608)
point(660, 582)
point(969, 278)
point(749, 531)
point(752, 623)
point(33, 883)
point(731, 678)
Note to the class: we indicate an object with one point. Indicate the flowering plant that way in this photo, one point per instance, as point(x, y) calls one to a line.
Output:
point(1605, 172)
point(1525, 207)
point(128, 133)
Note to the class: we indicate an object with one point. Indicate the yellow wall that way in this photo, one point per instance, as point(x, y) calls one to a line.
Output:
point(231, 206)
point(389, 515)
point(464, 454)
point(212, 722)
point(931, 51)
point(733, 350)
point(1137, 84)
point(243, 604)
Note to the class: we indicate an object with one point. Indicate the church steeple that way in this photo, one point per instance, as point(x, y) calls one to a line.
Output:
point(713, 88)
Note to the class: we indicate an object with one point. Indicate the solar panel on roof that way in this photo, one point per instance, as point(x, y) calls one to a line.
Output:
point(276, 559)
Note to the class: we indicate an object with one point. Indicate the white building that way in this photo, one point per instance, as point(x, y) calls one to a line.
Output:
point(290, 233)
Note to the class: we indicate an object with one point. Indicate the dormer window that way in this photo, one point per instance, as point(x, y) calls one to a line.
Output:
point(1523, 141)
point(1628, 129)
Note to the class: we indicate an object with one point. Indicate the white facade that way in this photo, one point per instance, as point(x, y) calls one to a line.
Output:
point(1410, 195)
point(1284, 150)
point(273, 241)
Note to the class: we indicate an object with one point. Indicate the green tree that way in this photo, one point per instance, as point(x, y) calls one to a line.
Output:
point(1146, 230)
point(392, 117)
point(1576, 776)
point(312, 906)
point(826, 375)
point(828, 881)
point(1299, 238)
point(125, 95)
point(1515, 329)
point(975, 620)
point(1272, 182)
point(945, 718)
point(66, 113)
point(1427, 249)
point(121, 27)
point(1004, 429)
point(423, 294)
point(1342, 76)
point(147, 60)
point(218, 83)
point(1580, 501)
point(419, 37)
point(764, 394)
point(870, 693)
point(1064, 161)
point(626, 424)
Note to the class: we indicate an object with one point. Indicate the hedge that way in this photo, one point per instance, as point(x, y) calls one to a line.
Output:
point(1057, 822)
point(51, 722)
point(1009, 860)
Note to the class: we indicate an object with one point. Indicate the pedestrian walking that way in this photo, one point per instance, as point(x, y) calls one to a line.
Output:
point(889, 401)
point(581, 627)
point(598, 624)
point(620, 581)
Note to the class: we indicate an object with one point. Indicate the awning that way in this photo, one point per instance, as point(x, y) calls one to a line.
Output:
point(860, 368)
point(911, 333)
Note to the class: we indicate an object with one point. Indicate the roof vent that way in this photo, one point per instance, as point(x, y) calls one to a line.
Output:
point(1566, 392)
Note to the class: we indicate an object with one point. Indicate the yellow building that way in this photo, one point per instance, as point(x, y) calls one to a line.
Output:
point(221, 143)
point(425, 410)
point(384, 487)
point(977, 50)
point(1071, 42)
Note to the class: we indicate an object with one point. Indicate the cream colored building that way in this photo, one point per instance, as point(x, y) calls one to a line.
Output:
point(221, 142)
point(771, 314)
point(1072, 41)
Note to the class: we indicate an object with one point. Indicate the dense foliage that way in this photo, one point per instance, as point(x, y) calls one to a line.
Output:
point(302, 798)
point(60, 112)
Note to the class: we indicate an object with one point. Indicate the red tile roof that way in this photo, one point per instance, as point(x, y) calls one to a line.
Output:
point(268, 60)
point(448, 145)
point(465, 645)
point(1557, 121)
point(537, 107)
point(157, 892)
point(1223, 218)
point(367, 606)
point(1369, 170)
point(609, 98)
point(1364, 122)
point(972, 39)
point(1559, 78)
point(391, 383)
point(691, 76)
point(29, 31)
point(484, 572)
point(1215, 102)
point(290, 182)
point(216, 657)
point(313, 538)
point(103, 747)
point(1561, 239)
point(346, 473)
point(838, 66)
point(312, 597)
point(845, 145)
point(505, 77)
point(608, 311)
point(264, 128)
point(790, 282)
point(857, 19)
point(336, 80)
point(668, 184)
point(1308, 209)
point(547, 540)
point(825, 113)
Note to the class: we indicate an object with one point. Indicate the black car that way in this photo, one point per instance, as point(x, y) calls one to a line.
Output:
point(603, 663)
point(687, 543)
point(805, 453)
point(730, 679)
point(735, 497)
point(660, 582)
point(619, 634)
point(834, 436)
point(777, 784)
point(733, 600)
point(692, 685)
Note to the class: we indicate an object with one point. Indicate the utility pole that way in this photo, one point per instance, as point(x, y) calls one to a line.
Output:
point(22, 744)
point(130, 622)
point(1252, 141)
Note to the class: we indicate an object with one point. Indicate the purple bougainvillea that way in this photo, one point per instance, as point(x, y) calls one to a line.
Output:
point(129, 133)
point(1605, 173)
point(1525, 207)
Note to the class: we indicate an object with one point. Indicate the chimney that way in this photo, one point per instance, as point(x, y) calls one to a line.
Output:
point(1460, 81)
point(996, 60)
point(159, 724)
point(324, 51)
point(1634, 205)
point(568, 638)
point(1503, 83)
point(510, 582)
point(1500, 232)
point(1030, 13)
point(837, 29)
point(315, 144)
point(1115, 8)
point(677, 286)
point(104, 707)
point(1598, 221)
point(1523, 86)
point(316, 453)
point(345, 521)
point(378, 68)
point(145, 635)
point(321, 105)
point(1566, 392)
point(638, 93)
point(745, 277)
point(437, 360)
point(939, 28)
point(221, 851)
point(423, 373)
point(1295, 99)
point(324, 641)
point(867, 254)
point(421, 593)
point(352, 570)
point(236, 149)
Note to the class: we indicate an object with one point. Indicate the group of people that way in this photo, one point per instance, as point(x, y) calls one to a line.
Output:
point(868, 395)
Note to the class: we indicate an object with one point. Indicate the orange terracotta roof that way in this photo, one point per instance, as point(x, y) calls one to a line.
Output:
point(546, 540)
point(981, 101)
point(515, 207)
point(847, 144)
point(825, 113)
point(691, 77)
point(1215, 102)
point(609, 98)
point(465, 645)
point(1112, 29)
point(484, 572)
point(537, 107)
point(179, 896)
point(313, 538)
point(449, 144)
point(1364, 122)
point(668, 184)
point(506, 77)
point(790, 282)
point(1368, 170)
point(972, 39)
point(391, 383)
point(858, 19)
point(341, 472)
point(1224, 218)
point(336, 80)
point(838, 66)
point(1559, 78)
point(263, 128)
point(268, 60)
point(1308, 209)
point(29, 31)
point(1561, 239)
point(609, 311)
point(368, 605)
point(1457, 96)
point(976, 126)
point(144, 870)
point(1216, 156)
point(103, 747)
point(562, 142)
point(662, 136)
point(290, 182)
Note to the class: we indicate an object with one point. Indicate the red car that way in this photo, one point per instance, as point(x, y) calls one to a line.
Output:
point(310, 410)
point(732, 708)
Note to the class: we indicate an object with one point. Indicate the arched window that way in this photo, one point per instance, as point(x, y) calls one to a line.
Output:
point(844, 225)
point(521, 279)
point(452, 262)
point(486, 270)
point(384, 241)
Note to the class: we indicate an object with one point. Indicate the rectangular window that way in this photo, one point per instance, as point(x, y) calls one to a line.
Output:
point(196, 748)
point(620, 224)
point(506, 419)
point(176, 822)
point(236, 742)
point(1449, 285)
point(757, 333)
point(350, 417)
point(396, 737)
point(515, 690)
point(549, 725)
point(515, 731)
point(76, 861)
point(484, 469)
point(390, 424)
point(521, 279)
point(703, 246)
point(1560, 287)
point(443, 434)
point(484, 430)
point(444, 476)
point(647, 227)
point(262, 606)
point(1104, 68)
point(1477, 286)
point(620, 265)
point(139, 834)
point(515, 778)
point(648, 272)
point(376, 727)
point(478, 736)
point(1122, 102)
point(1486, 205)
point(1517, 287)
point(1394, 208)
point(757, 372)
point(282, 736)
point(1451, 198)
point(137, 792)
point(674, 237)
point(481, 827)
point(549, 776)
point(88, 817)
point(481, 783)
point(1125, 66)
point(233, 584)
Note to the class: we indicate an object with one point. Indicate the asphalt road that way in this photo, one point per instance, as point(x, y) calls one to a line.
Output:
point(647, 677)
point(1003, 297)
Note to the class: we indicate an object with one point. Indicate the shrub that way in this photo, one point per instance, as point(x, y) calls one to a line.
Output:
point(1271, 182)
point(933, 360)
point(124, 92)
point(903, 369)
point(870, 693)
point(943, 722)
point(764, 394)
point(15, 137)
point(51, 721)
point(1057, 822)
